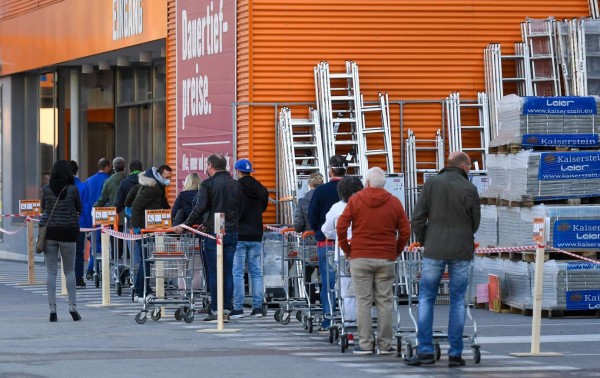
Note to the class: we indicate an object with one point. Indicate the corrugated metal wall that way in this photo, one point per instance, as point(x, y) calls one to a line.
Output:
point(13, 8)
point(414, 50)
point(171, 93)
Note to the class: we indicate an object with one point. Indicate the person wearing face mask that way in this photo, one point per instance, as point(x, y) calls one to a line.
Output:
point(150, 195)
point(218, 194)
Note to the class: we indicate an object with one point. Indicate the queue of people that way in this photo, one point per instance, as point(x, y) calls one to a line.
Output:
point(444, 221)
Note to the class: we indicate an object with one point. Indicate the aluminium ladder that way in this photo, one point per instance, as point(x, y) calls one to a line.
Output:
point(478, 133)
point(381, 128)
point(338, 104)
point(539, 35)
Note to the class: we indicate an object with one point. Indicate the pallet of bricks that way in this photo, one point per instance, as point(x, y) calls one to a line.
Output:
point(544, 163)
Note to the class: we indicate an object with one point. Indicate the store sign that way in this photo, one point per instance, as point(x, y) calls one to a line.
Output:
point(206, 72)
point(569, 166)
point(127, 18)
point(560, 140)
point(559, 105)
point(576, 234)
point(583, 299)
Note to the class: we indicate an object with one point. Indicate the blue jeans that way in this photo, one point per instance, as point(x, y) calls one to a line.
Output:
point(250, 251)
point(428, 289)
point(141, 269)
point(230, 240)
point(327, 283)
point(79, 252)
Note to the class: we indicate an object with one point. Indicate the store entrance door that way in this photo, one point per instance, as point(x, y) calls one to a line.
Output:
point(100, 142)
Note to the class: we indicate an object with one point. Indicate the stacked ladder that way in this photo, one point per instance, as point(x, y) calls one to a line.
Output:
point(301, 154)
point(539, 36)
point(594, 10)
point(380, 128)
point(338, 103)
point(417, 168)
point(349, 126)
point(479, 133)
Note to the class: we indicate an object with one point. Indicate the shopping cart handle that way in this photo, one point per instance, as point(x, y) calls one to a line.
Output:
point(287, 229)
point(307, 234)
point(156, 230)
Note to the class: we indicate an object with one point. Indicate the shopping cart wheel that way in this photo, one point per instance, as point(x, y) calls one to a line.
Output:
point(344, 343)
point(188, 317)
point(118, 289)
point(476, 354)
point(132, 294)
point(264, 309)
point(285, 318)
point(437, 351)
point(409, 351)
point(309, 323)
point(178, 314)
point(278, 315)
point(96, 280)
point(331, 335)
point(140, 317)
point(299, 315)
point(155, 315)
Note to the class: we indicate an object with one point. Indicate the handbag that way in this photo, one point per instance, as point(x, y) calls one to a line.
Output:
point(41, 238)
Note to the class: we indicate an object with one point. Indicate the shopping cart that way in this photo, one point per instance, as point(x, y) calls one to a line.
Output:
point(408, 274)
point(346, 320)
point(313, 314)
point(292, 278)
point(168, 260)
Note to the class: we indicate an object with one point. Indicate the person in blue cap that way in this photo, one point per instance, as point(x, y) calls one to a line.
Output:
point(253, 203)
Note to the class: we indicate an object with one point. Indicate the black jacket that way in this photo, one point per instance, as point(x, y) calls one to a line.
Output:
point(124, 188)
point(150, 196)
point(64, 224)
point(218, 194)
point(254, 201)
point(185, 203)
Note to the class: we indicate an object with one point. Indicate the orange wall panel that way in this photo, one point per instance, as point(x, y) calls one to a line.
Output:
point(414, 50)
point(59, 31)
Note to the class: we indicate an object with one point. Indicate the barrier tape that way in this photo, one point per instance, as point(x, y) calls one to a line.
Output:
point(83, 229)
point(483, 251)
point(191, 229)
point(20, 228)
point(574, 255)
point(122, 235)
point(276, 229)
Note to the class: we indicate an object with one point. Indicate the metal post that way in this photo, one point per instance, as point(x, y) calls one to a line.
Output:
point(219, 231)
point(105, 242)
point(30, 256)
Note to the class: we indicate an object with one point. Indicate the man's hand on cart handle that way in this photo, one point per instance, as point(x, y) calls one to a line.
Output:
point(178, 229)
point(414, 245)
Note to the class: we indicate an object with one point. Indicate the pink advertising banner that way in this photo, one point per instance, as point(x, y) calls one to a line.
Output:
point(206, 72)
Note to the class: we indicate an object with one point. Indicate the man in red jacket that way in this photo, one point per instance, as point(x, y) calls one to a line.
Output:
point(380, 230)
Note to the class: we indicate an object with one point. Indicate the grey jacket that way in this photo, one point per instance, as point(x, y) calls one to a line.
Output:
point(301, 212)
point(447, 215)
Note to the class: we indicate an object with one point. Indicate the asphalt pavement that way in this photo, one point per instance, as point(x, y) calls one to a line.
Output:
point(108, 342)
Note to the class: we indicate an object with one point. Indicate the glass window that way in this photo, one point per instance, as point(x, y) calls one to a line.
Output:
point(126, 87)
point(143, 81)
point(47, 123)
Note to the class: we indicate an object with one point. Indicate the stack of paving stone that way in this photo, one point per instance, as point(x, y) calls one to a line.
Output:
point(516, 177)
point(513, 124)
point(487, 234)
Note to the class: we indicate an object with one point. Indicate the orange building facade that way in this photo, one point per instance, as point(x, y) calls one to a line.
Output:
point(87, 79)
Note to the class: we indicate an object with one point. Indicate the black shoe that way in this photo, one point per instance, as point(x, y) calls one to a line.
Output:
point(257, 313)
point(89, 275)
point(455, 361)
point(53, 317)
point(80, 284)
point(237, 314)
point(420, 359)
point(75, 315)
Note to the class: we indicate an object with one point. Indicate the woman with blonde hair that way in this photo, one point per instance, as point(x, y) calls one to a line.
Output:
point(184, 203)
point(301, 211)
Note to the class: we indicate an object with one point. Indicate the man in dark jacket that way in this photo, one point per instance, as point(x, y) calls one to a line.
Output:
point(444, 221)
point(254, 201)
point(135, 167)
point(109, 194)
point(150, 196)
point(220, 193)
point(323, 198)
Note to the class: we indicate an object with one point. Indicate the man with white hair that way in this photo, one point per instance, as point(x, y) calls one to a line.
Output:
point(380, 230)
point(445, 219)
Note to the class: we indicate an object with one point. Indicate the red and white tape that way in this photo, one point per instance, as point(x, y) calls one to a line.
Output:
point(191, 229)
point(122, 235)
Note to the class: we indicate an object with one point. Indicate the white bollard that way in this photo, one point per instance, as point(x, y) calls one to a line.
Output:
point(105, 240)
